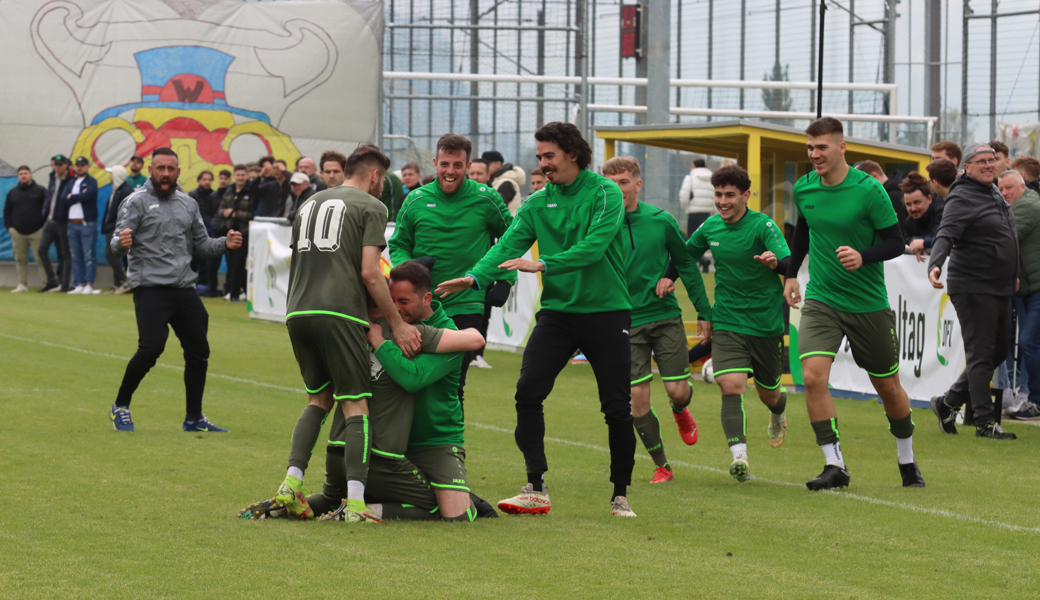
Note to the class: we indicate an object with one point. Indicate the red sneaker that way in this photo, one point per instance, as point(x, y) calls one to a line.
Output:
point(662, 474)
point(687, 426)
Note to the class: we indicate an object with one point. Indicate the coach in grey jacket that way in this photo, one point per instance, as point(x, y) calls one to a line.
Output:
point(161, 230)
point(977, 231)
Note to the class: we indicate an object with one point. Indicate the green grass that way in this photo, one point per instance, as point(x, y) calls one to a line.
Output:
point(96, 513)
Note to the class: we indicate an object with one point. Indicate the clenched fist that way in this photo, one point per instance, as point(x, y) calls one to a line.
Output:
point(126, 238)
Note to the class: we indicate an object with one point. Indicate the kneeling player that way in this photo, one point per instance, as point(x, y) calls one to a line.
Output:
point(654, 240)
point(747, 327)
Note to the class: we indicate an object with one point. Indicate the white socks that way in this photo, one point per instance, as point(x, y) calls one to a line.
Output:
point(295, 472)
point(739, 451)
point(905, 450)
point(832, 452)
point(355, 490)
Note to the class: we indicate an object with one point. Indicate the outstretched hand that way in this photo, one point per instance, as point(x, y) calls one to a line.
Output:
point(768, 259)
point(454, 286)
point(520, 264)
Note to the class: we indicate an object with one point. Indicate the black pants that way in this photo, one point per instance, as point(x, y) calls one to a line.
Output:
point(236, 273)
point(986, 328)
point(115, 261)
point(56, 233)
point(695, 220)
point(604, 339)
point(212, 270)
point(483, 329)
point(182, 309)
point(465, 322)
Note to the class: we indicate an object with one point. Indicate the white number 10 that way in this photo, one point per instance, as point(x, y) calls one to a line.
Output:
point(328, 225)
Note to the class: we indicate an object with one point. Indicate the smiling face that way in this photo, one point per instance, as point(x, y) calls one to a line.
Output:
point(630, 186)
point(559, 167)
point(412, 306)
point(826, 152)
point(537, 181)
point(731, 202)
point(917, 203)
point(478, 172)
point(165, 170)
point(982, 168)
point(241, 175)
point(451, 169)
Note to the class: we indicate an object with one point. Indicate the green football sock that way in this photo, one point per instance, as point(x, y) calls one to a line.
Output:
point(902, 428)
point(826, 431)
point(305, 436)
point(357, 448)
point(734, 420)
point(649, 429)
point(781, 404)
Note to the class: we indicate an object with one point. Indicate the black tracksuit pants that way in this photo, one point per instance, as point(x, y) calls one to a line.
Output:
point(986, 328)
point(157, 309)
point(604, 339)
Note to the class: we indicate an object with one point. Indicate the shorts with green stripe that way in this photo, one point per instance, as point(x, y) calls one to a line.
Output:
point(872, 336)
point(666, 341)
point(444, 466)
point(332, 352)
point(391, 479)
point(760, 357)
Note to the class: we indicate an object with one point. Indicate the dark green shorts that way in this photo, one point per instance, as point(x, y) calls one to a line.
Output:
point(332, 351)
point(391, 480)
point(444, 466)
point(666, 340)
point(872, 336)
point(761, 357)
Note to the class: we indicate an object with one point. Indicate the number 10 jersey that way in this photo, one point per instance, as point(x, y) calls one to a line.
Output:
point(329, 232)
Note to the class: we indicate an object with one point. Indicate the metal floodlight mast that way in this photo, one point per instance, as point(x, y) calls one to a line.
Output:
point(819, 65)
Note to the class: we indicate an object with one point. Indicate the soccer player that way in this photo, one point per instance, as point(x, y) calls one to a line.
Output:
point(747, 329)
point(847, 226)
point(576, 220)
point(653, 240)
point(337, 238)
point(453, 220)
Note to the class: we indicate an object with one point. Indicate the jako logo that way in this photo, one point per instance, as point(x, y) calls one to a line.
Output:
point(809, 206)
point(431, 206)
point(553, 205)
point(714, 243)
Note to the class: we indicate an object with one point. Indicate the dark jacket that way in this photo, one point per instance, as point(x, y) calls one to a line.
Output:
point(208, 201)
point(317, 184)
point(1034, 185)
point(896, 195)
point(241, 203)
point(60, 184)
point(1027, 223)
point(23, 211)
point(108, 221)
point(925, 227)
point(271, 195)
point(393, 195)
point(294, 203)
point(977, 232)
point(87, 198)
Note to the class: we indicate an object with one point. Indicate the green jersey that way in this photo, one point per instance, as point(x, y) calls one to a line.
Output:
point(848, 214)
point(434, 379)
point(748, 295)
point(456, 229)
point(136, 181)
point(325, 269)
point(652, 238)
point(578, 230)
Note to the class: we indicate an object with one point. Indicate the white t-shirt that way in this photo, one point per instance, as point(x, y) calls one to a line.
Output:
point(76, 210)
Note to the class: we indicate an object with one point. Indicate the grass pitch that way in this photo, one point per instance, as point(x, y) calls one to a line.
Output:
point(96, 513)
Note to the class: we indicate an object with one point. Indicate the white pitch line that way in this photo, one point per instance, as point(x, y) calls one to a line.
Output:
point(847, 495)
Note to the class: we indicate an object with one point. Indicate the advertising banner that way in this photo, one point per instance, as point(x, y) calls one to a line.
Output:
point(931, 351)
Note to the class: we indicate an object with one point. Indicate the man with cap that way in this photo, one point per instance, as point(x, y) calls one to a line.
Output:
point(81, 203)
point(505, 178)
point(977, 232)
point(136, 178)
point(55, 230)
point(301, 189)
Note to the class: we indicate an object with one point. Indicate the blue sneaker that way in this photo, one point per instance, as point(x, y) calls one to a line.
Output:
point(203, 424)
point(121, 418)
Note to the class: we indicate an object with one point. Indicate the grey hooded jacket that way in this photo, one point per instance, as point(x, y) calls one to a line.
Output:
point(979, 229)
point(167, 234)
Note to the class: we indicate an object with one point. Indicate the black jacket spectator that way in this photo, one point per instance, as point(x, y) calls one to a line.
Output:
point(896, 195)
point(979, 228)
point(927, 226)
point(208, 201)
point(108, 222)
point(24, 209)
point(56, 195)
point(296, 202)
point(242, 206)
point(271, 196)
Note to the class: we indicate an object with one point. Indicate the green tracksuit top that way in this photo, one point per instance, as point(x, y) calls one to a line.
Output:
point(578, 230)
point(652, 237)
point(456, 229)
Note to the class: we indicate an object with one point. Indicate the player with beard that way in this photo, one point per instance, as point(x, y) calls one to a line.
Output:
point(847, 225)
point(337, 239)
point(453, 219)
point(576, 220)
point(160, 230)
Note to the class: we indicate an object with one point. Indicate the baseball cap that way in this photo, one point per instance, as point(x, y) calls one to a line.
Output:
point(82, 160)
point(493, 156)
point(974, 149)
point(60, 158)
point(136, 157)
point(300, 178)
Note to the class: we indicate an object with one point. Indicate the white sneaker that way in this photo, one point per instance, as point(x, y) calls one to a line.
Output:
point(76, 290)
point(619, 507)
point(227, 297)
point(89, 290)
point(527, 502)
point(480, 363)
point(21, 289)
